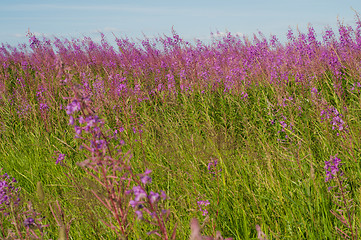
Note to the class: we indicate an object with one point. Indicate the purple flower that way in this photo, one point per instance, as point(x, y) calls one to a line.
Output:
point(74, 106)
point(163, 195)
point(145, 179)
point(154, 197)
point(29, 222)
point(81, 120)
point(136, 205)
point(8, 193)
point(78, 130)
point(139, 193)
point(283, 124)
point(139, 214)
point(332, 167)
point(314, 90)
point(43, 106)
point(92, 121)
point(60, 158)
point(133, 203)
point(71, 120)
point(34, 42)
point(202, 205)
point(212, 165)
point(98, 144)
point(335, 119)
point(290, 35)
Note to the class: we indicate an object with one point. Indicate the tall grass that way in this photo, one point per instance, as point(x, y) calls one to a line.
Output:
point(234, 137)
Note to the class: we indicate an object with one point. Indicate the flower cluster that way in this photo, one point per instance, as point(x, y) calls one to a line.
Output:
point(342, 198)
point(88, 123)
point(73, 107)
point(202, 207)
point(60, 158)
point(141, 198)
point(213, 167)
point(335, 118)
point(114, 173)
point(27, 221)
point(332, 167)
point(8, 193)
point(33, 220)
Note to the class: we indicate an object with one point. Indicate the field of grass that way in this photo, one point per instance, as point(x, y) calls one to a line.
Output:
point(254, 138)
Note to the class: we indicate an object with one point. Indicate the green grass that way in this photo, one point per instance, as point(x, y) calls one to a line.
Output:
point(277, 185)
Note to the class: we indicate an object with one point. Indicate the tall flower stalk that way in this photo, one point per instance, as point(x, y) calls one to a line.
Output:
point(26, 222)
point(341, 198)
point(126, 192)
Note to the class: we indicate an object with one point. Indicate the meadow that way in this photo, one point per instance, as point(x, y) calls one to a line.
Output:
point(160, 138)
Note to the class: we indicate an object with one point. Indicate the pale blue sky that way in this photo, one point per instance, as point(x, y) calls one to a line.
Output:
point(190, 18)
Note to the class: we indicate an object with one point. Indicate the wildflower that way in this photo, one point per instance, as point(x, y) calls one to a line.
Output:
point(71, 120)
point(314, 90)
point(284, 125)
point(98, 144)
point(139, 214)
point(8, 193)
point(92, 121)
point(60, 158)
point(81, 120)
point(154, 197)
point(145, 179)
point(43, 106)
point(74, 106)
point(335, 119)
point(133, 203)
point(78, 130)
point(202, 205)
point(332, 167)
point(212, 167)
point(139, 193)
point(29, 222)
point(212, 164)
point(163, 195)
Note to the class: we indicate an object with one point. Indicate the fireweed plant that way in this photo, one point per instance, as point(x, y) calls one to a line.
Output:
point(341, 195)
point(17, 221)
point(164, 114)
point(124, 189)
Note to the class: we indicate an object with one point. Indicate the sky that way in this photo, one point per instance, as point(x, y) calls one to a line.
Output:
point(191, 19)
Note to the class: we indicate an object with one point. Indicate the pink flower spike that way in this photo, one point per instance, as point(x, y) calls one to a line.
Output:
point(71, 120)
